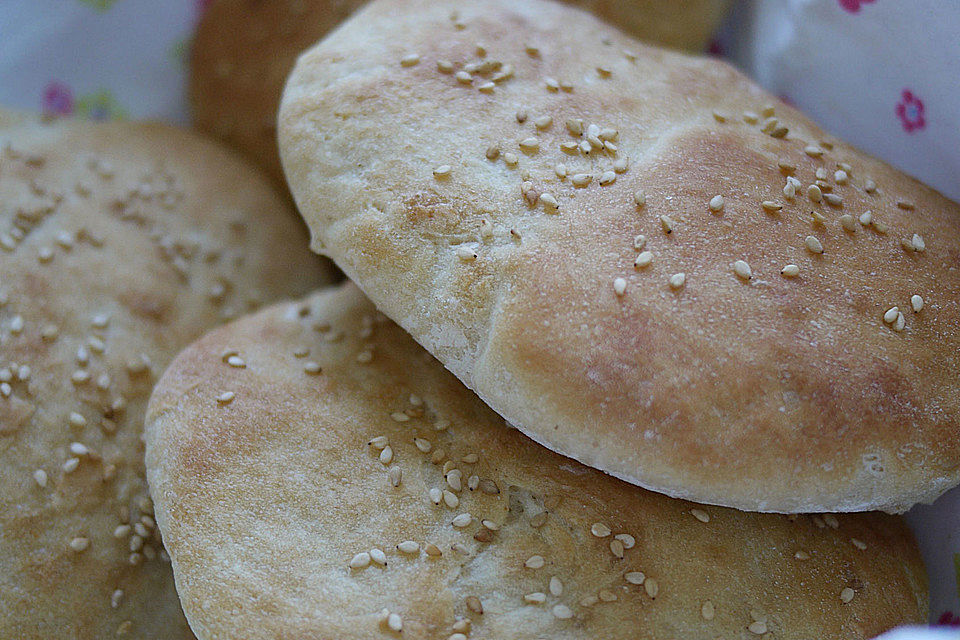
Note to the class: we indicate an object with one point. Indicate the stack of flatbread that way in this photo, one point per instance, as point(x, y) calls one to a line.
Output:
point(629, 347)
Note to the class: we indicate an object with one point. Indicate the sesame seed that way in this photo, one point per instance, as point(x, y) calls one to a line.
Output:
point(607, 178)
point(408, 546)
point(226, 397)
point(700, 515)
point(620, 165)
point(666, 223)
point(462, 520)
point(905, 204)
point(534, 562)
point(410, 60)
point(530, 145)
point(600, 530)
point(581, 179)
point(639, 198)
point(627, 540)
point(569, 147)
point(378, 556)
point(79, 449)
point(786, 165)
point(635, 577)
point(801, 555)
point(814, 193)
point(562, 612)
point(848, 223)
point(474, 604)
point(652, 587)
point(470, 458)
point(70, 465)
point(900, 323)
point(789, 191)
point(846, 595)
point(40, 477)
point(79, 544)
point(869, 186)
point(833, 199)
point(890, 315)
point(552, 84)
point(436, 495)
point(522, 116)
point(450, 499)
point(707, 610)
point(716, 203)
point(395, 476)
point(442, 171)
point(750, 117)
point(866, 218)
point(619, 286)
point(813, 151)
point(677, 280)
point(561, 170)
point(549, 201)
point(492, 152)
point(859, 544)
point(454, 479)
point(719, 117)
point(360, 561)
point(742, 269)
point(758, 627)
point(919, 244)
point(236, 361)
point(813, 245)
point(386, 455)
point(444, 66)
point(510, 159)
point(917, 303)
point(395, 622)
point(423, 445)
point(840, 176)
point(543, 122)
point(556, 586)
point(466, 254)
point(536, 597)
point(770, 205)
point(463, 77)
point(379, 442)
point(486, 87)
point(616, 548)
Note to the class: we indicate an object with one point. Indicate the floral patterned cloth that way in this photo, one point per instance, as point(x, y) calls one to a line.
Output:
point(880, 73)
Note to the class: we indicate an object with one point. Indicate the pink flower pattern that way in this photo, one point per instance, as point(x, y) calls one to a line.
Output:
point(910, 112)
point(853, 6)
point(949, 619)
point(57, 99)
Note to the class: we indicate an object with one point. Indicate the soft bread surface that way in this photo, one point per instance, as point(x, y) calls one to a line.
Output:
point(775, 384)
point(119, 245)
point(243, 51)
point(341, 433)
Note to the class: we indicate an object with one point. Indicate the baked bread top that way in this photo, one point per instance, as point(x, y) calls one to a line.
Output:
point(342, 484)
point(119, 245)
point(640, 259)
point(243, 51)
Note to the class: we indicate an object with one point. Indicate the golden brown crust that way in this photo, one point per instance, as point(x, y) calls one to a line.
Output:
point(243, 51)
point(772, 393)
point(119, 244)
point(265, 498)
